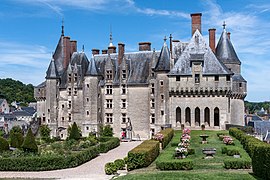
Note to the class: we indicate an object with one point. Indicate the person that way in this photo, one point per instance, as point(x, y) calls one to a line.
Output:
point(123, 135)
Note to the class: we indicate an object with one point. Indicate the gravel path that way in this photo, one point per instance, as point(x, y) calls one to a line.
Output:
point(93, 169)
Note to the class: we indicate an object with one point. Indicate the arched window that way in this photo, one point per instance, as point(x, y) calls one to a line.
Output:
point(188, 118)
point(207, 116)
point(197, 116)
point(216, 116)
point(178, 115)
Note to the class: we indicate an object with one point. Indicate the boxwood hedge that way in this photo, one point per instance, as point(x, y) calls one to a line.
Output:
point(168, 135)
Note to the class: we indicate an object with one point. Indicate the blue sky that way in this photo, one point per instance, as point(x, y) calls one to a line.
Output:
point(30, 30)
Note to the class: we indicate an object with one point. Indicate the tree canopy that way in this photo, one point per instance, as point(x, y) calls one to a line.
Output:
point(13, 90)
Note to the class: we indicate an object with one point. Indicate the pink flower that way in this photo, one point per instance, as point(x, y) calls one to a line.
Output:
point(186, 131)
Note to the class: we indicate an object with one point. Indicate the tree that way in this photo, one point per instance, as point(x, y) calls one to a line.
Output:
point(74, 132)
point(29, 143)
point(1, 133)
point(44, 132)
point(106, 131)
point(16, 139)
point(16, 129)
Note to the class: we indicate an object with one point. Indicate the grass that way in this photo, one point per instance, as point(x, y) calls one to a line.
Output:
point(203, 168)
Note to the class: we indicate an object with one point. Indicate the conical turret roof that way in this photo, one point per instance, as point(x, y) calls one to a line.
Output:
point(163, 63)
point(52, 72)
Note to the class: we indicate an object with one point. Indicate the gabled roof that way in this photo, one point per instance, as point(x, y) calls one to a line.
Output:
point(198, 50)
point(238, 78)
point(92, 69)
point(225, 51)
point(163, 63)
point(52, 72)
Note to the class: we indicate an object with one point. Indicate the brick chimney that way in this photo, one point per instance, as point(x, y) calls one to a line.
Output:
point(212, 39)
point(104, 51)
point(73, 45)
point(95, 51)
point(121, 51)
point(111, 49)
point(229, 35)
point(195, 22)
point(67, 51)
point(144, 46)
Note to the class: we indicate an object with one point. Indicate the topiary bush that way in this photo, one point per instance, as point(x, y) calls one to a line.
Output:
point(111, 143)
point(143, 155)
point(4, 146)
point(175, 164)
point(110, 168)
point(168, 135)
point(29, 143)
point(120, 164)
point(16, 139)
point(74, 132)
point(237, 163)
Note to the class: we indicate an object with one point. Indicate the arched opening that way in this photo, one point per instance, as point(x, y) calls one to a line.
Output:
point(188, 118)
point(216, 117)
point(207, 116)
point(197, 116)
point(178, 115)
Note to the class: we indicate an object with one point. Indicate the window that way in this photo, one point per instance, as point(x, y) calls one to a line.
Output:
point(162, 97)
point(69, 77)
point(153, 74)
point(43, 119)
point(109, 117)
point(48, 110)
point(109, 74)
point(87, 85)
point(124, 117)
point(152, 104)
point(161, 82)
point(69, 117)
point(153, 119)
point(216, 78)
point(240, 85)
point(75, 77)
point(63, 106)
point(177, 78)
point(109, 89)
point(124, 75)
point(152, 132)
point(87, 99)
point(124, 103)
point(69, 104)
point(75, 91)
point(87, 128)
point(109, 103)
point(87, 113)
point(124, 89)
point(162, 113)
point(152, 89)
point(69, 91)
point(63, 119)
point(197, 78)
point(228, 78)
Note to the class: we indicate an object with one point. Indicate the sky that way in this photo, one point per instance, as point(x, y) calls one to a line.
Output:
point(30, 30)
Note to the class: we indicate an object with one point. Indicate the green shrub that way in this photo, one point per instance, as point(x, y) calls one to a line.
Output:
point(50, 162)
point(143, 155)
point(120, 164)
point(191, 151)
point(224, 150)
point(74, 132)
point(106, 131)
point(71, 144)
point(111, 143)
point(110, 168)
point(44, 132)
point(168, 135)
point(29, 143)
point(175, 164)
point(237, 163)
point(4, 146)
point(16, 129)
point(126, 159)
point(231, 152)
point(16, 139)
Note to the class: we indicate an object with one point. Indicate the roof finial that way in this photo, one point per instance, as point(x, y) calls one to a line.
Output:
point(62, 27)
point(83, 48)
point(111, 44)
point(224, 25)
point(165, 39)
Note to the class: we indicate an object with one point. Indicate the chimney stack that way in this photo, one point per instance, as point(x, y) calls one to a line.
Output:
point(73, 45)
point(229, 35)
point(111, 49)
point(196, 22)
point(121, 51)
point(104, 51)
point(95, 51)
point(144, 46)
point(67, 51)
point(212, 39)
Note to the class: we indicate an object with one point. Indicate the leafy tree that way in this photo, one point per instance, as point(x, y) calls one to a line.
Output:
point(74, 132)
point(4, 146)
point(44, 132)
point(29, 143)
point(16, 139)
point(106, 131)
point(16, 129)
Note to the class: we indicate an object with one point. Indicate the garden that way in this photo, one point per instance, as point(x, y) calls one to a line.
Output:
point(196, 154)
point(21, 152)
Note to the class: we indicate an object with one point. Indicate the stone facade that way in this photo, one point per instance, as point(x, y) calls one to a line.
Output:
point(143, 92)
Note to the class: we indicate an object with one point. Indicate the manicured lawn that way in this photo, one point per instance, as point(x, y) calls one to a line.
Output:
point(203, 168)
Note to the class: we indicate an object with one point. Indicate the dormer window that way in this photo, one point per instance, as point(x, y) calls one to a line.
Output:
point(124, 74)
point(197, 78)
point(124, 89)
point(69, 77)
point(109, 74)
point(75, 77)
point(228, 78)
point(216, 78)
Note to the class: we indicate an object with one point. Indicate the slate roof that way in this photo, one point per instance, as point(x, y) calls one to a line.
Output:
point(1, 101)
point(41, 85)
point(197, 48)
point(163, 63)
point(225, 51)
point(238, 78)
point(92, 69)
point(29, 110)
point(51, 71)
point(59, 55)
